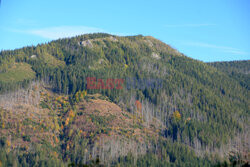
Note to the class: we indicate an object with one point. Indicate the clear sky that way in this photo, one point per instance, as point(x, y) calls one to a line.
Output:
point(213, 30)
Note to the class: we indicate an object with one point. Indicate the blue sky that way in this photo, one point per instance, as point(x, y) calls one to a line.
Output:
point(214, 30)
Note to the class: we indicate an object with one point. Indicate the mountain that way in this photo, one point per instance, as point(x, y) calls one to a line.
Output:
point(100, 99)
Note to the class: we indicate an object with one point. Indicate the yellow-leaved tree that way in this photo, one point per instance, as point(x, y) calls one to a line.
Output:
point(177, 115)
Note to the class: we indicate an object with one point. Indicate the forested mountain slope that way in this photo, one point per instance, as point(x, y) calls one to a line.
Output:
point(184, 112)
point(239, 70)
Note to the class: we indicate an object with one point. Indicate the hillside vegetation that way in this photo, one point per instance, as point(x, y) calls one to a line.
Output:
point(197, 116)
point(239, 70)
point(15, 74)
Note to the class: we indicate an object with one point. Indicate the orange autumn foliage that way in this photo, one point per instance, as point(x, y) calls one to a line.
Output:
point(67, 121)
point(138, 105)
point(57, 140)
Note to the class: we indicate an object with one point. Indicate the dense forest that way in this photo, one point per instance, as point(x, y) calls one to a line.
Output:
point(182, 112)
point(239, 70)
